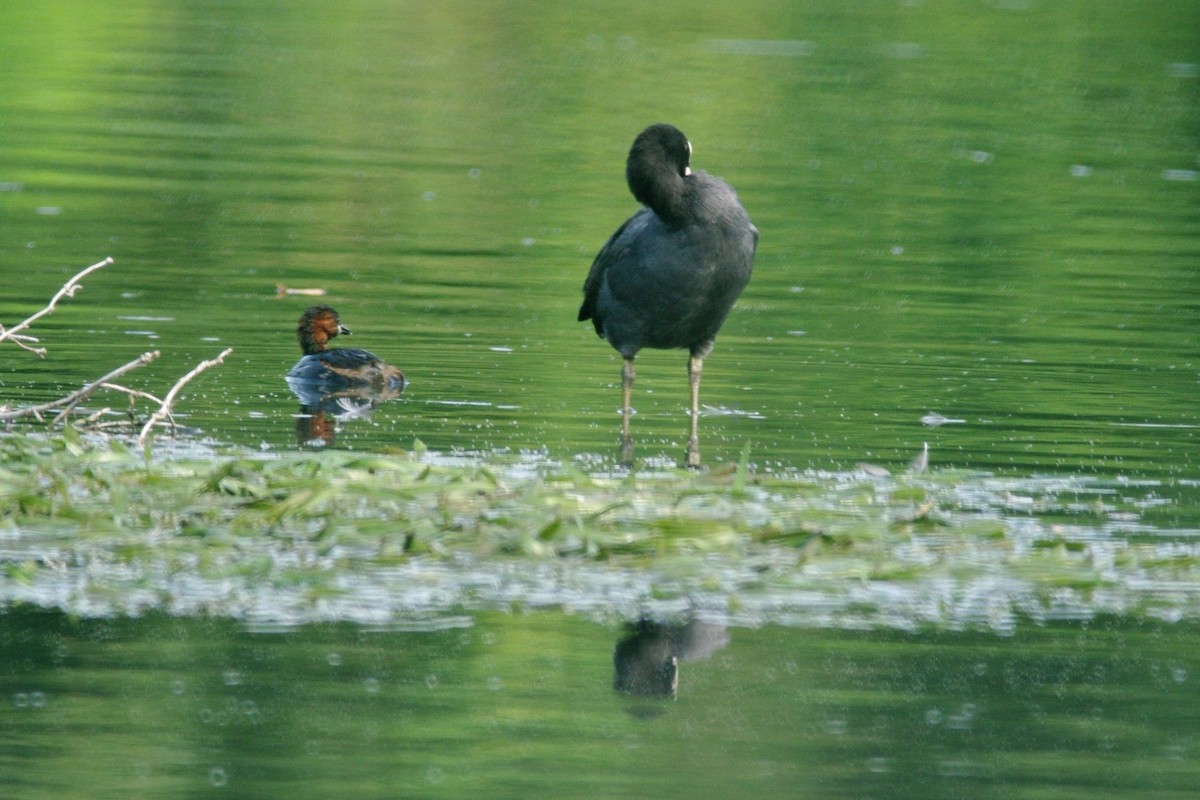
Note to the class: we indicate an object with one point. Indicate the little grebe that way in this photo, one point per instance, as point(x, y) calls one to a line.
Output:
point(341, 367)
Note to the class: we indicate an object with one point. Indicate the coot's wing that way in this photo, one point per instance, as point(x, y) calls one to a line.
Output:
point(613, 250)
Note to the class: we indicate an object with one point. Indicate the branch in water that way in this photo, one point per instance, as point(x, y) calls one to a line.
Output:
point(68, 290)
point(73, 399)
point(164, 410)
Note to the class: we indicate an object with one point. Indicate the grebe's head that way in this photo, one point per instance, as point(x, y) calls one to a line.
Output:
point(318, 324)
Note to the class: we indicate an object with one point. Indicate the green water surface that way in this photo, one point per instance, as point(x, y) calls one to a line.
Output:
point(985, 210)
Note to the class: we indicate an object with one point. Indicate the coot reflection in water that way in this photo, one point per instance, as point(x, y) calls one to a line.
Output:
point(646, 660)
point(335, 384)
point(668, 277)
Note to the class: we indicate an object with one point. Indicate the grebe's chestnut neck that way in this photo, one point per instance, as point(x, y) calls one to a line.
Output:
point(318, 324)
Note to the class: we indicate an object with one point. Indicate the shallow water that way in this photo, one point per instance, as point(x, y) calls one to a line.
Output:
point(979, 230)
point(514, 705)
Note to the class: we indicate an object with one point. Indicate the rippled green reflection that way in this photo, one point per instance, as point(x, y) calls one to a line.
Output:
point(983, 210)
point(988, 211)
point(514, 706)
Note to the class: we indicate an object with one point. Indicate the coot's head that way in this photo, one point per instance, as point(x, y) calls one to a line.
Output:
point(318, 324)
point(657, 166)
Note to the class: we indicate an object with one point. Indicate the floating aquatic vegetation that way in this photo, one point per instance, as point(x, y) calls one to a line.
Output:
point(95, 528)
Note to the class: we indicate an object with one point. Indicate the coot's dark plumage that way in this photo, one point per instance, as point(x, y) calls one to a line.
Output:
point(341, 367)
point(670, 274)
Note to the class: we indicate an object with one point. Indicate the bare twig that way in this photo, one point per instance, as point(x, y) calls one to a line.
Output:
point(165, 409)
point(82, 394)
point(284, 291)
point(96, 416)
point(73, 399)
point(133, 393)
point(18, 337)
point(68, 290)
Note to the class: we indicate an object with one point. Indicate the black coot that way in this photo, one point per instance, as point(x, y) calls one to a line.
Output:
point(668, 277)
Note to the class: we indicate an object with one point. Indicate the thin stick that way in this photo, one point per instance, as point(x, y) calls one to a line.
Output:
point(165, 409)
point(73, 399)
point(20, 339)
point(95, 417)
point(116, 387)
point(68, 290)
point(82, 394)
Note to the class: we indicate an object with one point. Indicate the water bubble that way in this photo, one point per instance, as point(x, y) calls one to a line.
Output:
point(1179, 674)
point(429, 197)
point(762, 47)
point(435, 775)
point(879, 764)
point(1175, 751)
point(904, 50)
point(371, 685)
point(333, 659)
point(38, 699)
point(933, 716)
point(217, 777)
point(177, 686)
point(962, 720)
point(231, 677)
point(933, 419)
point(956, 768)
point(495, 683)
point(1080, 171)
point(836, 726)
point(20, 700)
point(474, 172)
point(431, 681)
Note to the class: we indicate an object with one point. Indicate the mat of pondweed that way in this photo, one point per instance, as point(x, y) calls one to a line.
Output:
point(96, 529)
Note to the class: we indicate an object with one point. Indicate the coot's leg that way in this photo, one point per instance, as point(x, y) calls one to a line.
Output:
point(627, 376)
point(695, 363)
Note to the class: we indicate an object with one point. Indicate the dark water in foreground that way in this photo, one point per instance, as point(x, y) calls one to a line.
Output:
point(987, 210)
point(523, 706)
